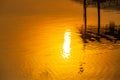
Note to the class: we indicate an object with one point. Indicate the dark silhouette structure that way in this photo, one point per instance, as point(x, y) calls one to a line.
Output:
point(100, 4)
point(110, 32)
point(104, 4)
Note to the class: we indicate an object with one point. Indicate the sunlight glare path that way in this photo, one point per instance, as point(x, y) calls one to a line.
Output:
point(66, 45)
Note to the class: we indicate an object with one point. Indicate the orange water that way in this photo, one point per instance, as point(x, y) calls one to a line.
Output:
point(51, 49)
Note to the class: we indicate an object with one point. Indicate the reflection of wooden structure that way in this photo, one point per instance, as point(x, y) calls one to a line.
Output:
point(98, 4)
point(110, 32)
point(85, 3)
point(104, 4)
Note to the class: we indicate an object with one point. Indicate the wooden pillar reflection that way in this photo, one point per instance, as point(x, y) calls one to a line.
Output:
point(98, 10)
point(85, 16)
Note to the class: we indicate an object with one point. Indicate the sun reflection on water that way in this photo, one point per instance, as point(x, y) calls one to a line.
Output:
point(66, 45)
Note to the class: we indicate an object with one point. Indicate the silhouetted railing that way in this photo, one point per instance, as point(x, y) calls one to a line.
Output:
point(105, 4)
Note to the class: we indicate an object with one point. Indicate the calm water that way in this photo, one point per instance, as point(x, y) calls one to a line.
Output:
point(36, 48)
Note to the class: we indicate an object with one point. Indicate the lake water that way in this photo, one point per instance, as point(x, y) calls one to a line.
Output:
point(39, 48)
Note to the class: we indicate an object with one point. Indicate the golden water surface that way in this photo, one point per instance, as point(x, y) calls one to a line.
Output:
point(51, 49)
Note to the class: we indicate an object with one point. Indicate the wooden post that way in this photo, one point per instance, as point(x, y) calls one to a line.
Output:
point(98, 10)
point(85, 16)
point(85, 21)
